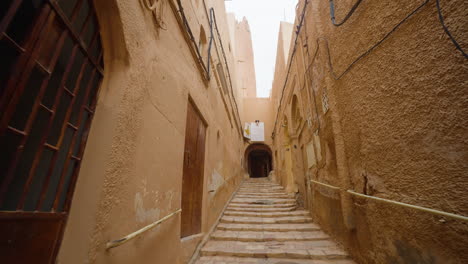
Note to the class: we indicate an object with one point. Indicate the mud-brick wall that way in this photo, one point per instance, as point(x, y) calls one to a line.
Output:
point(395, 127)
point(133, 163)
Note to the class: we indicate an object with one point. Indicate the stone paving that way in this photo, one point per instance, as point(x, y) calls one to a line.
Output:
point(262, 225)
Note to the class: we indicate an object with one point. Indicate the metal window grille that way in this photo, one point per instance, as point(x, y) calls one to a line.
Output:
point(49, 82)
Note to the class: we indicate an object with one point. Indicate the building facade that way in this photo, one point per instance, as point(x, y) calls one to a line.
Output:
point(114, 115)
point(371, 98)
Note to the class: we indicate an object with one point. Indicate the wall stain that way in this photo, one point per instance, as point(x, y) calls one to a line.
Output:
point(145, 215)
point(410, 255)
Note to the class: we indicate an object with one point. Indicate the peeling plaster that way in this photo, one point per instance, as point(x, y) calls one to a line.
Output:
point(145, 215)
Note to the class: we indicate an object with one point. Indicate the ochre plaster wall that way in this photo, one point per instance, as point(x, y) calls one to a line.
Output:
point(258, 108)
point(131, 174)
point(245, 59)
point(393, 126)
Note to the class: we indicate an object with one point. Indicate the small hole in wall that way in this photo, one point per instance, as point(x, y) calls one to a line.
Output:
point(218, 136)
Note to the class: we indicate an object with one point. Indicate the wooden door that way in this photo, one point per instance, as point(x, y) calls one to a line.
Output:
point(51, 69)
point(192, 181)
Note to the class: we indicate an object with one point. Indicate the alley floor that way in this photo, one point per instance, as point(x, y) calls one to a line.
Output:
point(262, 224)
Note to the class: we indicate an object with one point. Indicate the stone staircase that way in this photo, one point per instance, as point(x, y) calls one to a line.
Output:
point(262, 225)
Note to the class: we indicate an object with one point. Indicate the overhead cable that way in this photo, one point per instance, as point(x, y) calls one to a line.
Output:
point(214, 22)
point(447, 31)
point(332, 71)
point(350, 13)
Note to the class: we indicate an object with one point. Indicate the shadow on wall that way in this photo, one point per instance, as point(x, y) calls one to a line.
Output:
point(408, 254)
point(112, 35)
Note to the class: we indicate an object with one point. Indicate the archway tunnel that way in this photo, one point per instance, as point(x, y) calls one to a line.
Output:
point(259, 160)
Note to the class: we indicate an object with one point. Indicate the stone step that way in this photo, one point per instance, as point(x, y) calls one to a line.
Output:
point(263, 236)
point(260, 184)
point(267, 196)
point(241, 260)
point(262, 201)
point(272, 189)
point(266, 188)
point(269, 189)
point(243, 205)
point(320, 249)
point(266, 214)
point(253, 192)
point(262, 187)
point(249, 192)
point(278, 196)
point(257, 185)
point(266, 220)
point(260, 193)
point(261, 210)
point(268, 227)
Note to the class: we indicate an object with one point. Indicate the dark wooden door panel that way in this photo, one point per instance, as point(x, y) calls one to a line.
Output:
point(29, 237)
point(198, 185)
point(192, 181)
point(187, 180)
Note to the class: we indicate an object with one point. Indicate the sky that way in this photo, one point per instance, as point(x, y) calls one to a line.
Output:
point(264, 18)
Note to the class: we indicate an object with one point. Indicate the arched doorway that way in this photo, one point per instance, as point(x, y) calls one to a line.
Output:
point(259, 160)
point(49, 83)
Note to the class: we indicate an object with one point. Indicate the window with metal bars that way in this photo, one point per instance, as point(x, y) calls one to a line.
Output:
point(49, 79)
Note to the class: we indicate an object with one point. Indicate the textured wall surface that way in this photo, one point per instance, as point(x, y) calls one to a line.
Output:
point(393, 125)
point(133, 164)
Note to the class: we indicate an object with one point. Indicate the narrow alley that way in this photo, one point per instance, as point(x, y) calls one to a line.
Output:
point(233, 131)
point(262, 224)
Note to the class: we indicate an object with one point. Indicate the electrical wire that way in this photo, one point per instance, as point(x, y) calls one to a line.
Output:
point(439, 11)
point(206, 67)
point(337, 77)
point(192, 38)
point(447, 31)
point(214, 22)
point(290, 63)
point(332, 71)
point(350, 13)
point(309, 80)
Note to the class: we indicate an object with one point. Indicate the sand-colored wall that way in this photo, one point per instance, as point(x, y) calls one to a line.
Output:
point(260, 109)
point(254, 108)
point(283, 45)
point(395, 127)
point(245, 59)
point(132, 168)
